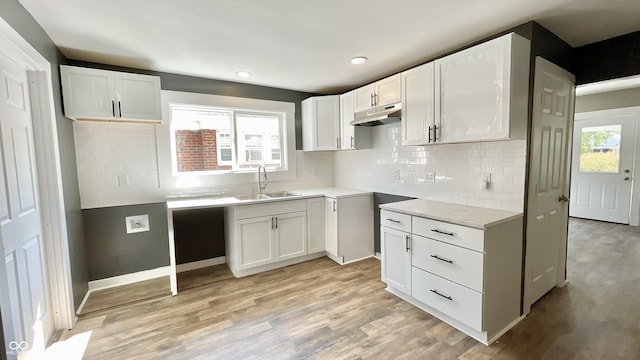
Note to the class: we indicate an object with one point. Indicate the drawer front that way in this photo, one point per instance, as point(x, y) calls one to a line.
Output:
point(270, 208)
point(454, 263)
point(395, 220)
point(458, 302)
point(450, 233)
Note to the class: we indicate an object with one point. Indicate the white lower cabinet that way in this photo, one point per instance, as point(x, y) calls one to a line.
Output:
point(467, 277)
point(396, 258)
point(266, 236)
point(349, 227)
point(316, 231)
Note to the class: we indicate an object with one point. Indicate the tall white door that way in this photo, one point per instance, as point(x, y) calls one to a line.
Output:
point(20, 215)
point(601, 172)
point(547, 213)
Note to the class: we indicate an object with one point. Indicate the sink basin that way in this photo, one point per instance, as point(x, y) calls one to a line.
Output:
point(280, 194)
point(251, 197)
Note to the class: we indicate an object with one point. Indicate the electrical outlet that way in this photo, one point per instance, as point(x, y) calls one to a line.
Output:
point(396, 174)
point(486, 181)
point(123, 180)
point(430, 177)
point(136, 224)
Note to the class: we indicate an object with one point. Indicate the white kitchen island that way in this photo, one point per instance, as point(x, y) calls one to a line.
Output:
point(462, 264)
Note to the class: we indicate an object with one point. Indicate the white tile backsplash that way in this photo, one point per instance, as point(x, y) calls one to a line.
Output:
point(107, 150)
point(457, 166)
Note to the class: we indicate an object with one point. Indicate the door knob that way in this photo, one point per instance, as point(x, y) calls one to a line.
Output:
point(626, 171)
point(563, 198)
point(626, 178)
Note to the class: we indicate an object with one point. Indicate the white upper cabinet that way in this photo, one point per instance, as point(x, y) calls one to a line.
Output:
point(93, 94)
point(481, 93)
point(418, 116)
point(352, 137)
point(321, 123)
point(383, 92)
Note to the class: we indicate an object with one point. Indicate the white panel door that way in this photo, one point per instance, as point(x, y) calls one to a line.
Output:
point(20, 215)
point(547, 215)
point(138, 96)
point(256, 241)
point(602, 166)
point(291, 235)
point(395, 254)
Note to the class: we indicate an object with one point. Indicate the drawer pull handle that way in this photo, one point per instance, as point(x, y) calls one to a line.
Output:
point(442, 232)
point(444, 296)
point(441, 259)
point(394, 221)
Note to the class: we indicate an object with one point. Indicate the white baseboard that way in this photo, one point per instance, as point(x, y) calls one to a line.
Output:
point(129, 278)
point(200, 264)
point(84, 301)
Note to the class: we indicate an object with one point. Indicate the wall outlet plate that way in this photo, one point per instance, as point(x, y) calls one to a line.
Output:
point(430, 177)
point(486, 181)
point(136, 224)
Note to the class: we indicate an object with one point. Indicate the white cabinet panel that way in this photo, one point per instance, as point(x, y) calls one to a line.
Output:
point(331, 208)
point(395, 220)
point(396, 258)
point(364, 98)
point(93, 94)
point(321, 123)
point(418, 119)
point(480, 91)
point(352, 137)
point(382, 92)
point(255, 239)
point(291, 235)
point(316, 231)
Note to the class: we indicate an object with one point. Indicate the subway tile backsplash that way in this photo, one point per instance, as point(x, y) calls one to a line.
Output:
point(390, 167)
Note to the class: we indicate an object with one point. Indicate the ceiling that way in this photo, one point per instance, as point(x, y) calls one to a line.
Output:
point(306, 45)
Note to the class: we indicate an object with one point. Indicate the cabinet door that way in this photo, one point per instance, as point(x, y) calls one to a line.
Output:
point(291, 235)
point(473, 91)
point(255, 246)
point(388, 90)
point(395, 249)
point(417, 107)
point(363, 98)
point(88, 93)
point(138, 96)
point(347, 132)
point(321, 123)
point(316, 231)
point(331, 208)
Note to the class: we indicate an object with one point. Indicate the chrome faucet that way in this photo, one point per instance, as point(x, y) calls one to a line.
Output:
point(262, 178)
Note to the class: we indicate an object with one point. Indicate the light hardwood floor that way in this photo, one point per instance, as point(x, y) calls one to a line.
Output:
point(320, 310)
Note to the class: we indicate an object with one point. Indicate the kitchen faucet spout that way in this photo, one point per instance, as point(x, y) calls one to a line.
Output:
point(261, 185)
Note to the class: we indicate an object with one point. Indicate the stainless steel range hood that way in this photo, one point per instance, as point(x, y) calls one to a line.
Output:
point(378, 116)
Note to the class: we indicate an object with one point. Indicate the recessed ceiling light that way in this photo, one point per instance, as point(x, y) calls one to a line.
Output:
point(243, 74)
point(358, 60)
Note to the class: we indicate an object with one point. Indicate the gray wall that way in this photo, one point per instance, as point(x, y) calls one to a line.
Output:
point(608, 100)
point(112, 252)
point(14, 14)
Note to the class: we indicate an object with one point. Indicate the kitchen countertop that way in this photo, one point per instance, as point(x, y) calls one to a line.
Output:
point(221, 201)
point(471, 216)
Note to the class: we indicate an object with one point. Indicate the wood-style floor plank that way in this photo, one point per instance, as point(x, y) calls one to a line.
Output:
point(321, 310)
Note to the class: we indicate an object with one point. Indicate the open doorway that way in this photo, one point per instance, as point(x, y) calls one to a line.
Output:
point(605, 152)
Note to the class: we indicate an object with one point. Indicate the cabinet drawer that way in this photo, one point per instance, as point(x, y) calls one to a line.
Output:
point(395, 220)
point(456, 301)
point(460, 265)
point(449, 233)
point(270, 208)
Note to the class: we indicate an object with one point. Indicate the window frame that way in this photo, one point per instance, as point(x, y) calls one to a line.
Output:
point(171, 180)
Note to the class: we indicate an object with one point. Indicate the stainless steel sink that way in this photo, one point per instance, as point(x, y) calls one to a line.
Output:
point(251, 197)
point(279, 194)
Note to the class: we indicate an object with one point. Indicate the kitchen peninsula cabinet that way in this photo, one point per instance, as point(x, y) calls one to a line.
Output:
point(462, 264)
point(94, 94)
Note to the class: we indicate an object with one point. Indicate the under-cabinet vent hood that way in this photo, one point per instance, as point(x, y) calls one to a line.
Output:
point(378, 115)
